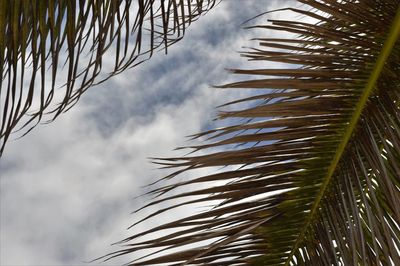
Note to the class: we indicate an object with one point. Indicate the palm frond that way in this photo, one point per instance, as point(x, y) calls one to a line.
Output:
point(317, 153)
point(41, 39)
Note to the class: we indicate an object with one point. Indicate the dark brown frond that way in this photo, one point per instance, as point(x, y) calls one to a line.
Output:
point(313, 176)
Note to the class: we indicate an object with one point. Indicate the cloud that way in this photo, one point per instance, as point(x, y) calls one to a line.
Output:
point(67, 188)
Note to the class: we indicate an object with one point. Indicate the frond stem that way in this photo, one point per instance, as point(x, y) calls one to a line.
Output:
point(376, 71)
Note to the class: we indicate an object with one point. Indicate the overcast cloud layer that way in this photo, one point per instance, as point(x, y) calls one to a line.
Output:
point(68, 187)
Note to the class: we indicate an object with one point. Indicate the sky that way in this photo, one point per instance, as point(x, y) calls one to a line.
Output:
point(67, 189)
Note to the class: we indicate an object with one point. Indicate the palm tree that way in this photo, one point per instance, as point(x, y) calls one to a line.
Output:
point(312, 171)
point(74, 37)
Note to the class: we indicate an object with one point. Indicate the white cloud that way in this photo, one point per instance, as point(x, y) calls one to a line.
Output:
point(67, 187)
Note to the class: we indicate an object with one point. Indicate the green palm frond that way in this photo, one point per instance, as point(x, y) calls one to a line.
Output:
point(52, 51)
point(314, 168)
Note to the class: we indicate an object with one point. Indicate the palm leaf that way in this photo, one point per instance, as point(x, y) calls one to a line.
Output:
point(39, 40)
point(314, 164)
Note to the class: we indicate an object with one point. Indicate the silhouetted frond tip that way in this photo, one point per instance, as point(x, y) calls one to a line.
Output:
point(51, 52)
